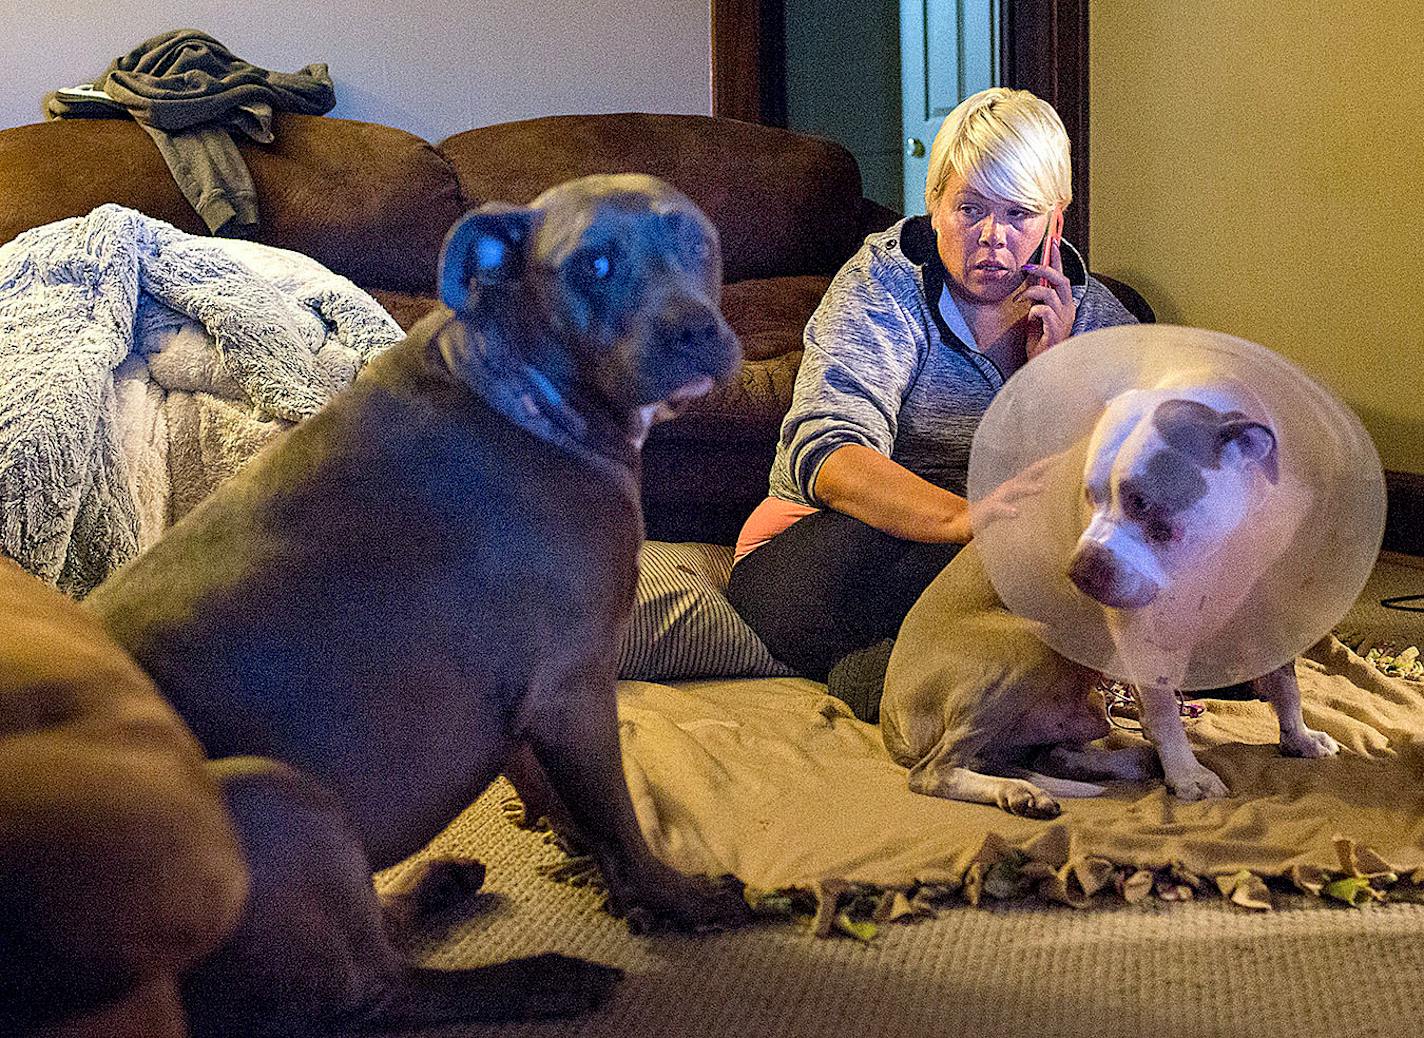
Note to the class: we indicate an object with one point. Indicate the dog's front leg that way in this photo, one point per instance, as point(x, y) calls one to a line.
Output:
point(574, 735)
point(1014, 795)
point(1187, 777)
point(1281, 689)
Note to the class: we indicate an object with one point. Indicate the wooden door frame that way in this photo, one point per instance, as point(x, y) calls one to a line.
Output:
point(1044, 48)
point(749, 60)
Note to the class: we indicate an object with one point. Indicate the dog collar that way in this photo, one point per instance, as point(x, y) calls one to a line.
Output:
point(527, 397)
point(1232, 608)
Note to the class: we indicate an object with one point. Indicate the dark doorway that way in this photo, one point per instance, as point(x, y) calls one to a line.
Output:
point(1044, 49)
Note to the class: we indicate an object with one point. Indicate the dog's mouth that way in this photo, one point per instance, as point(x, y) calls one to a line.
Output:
point(699, 386)
point(677, 401)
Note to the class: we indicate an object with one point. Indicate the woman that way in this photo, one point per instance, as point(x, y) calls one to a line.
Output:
point(915, 335)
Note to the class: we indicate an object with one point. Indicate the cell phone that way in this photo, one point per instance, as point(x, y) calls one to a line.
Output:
point(1053, 233)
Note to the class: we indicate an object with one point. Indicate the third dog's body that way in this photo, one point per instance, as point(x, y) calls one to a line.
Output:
point(1176, 481)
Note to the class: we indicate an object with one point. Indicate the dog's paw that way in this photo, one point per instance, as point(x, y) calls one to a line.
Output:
point(1199, 783)
point(557, 985)
point(431, 889)
point(678, 902)
point(1309, 743)
point(1027, 800)
point(519, 989)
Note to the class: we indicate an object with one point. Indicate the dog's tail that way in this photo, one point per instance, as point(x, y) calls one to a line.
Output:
point(1058, 787)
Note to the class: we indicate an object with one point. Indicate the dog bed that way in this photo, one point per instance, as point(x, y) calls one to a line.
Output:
point(775, 781)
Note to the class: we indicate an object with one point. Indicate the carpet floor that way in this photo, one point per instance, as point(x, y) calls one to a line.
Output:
point(1008, 970)
point(1371, 623)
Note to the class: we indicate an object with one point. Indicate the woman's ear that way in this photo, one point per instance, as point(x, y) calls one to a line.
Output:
point(488, 247)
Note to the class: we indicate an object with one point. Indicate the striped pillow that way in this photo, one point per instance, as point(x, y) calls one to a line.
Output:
point(682, 624)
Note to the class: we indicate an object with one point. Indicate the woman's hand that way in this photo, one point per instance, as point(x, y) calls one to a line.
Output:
point(1053, 311)
point(1003, 501)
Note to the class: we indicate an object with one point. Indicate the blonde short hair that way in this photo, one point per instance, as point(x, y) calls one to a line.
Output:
point(1009, 144)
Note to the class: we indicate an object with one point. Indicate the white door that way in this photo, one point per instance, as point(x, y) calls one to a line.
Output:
point(949, 49)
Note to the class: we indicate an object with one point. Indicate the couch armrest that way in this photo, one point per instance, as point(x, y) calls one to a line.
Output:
point(369, 201)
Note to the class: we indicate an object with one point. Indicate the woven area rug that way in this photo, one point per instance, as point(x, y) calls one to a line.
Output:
point(1015, 969)
point(1182, 960)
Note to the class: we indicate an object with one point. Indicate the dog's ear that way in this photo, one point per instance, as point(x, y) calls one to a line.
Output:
point(1255, 442)
point(487, 248)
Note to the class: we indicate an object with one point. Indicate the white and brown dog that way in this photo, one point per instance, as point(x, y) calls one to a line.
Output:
point(1184, 510)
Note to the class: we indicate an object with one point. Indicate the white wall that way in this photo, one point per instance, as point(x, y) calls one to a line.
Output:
point(432, 68)
point(1260, 169)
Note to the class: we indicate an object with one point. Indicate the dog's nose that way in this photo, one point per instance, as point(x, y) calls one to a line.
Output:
point(1095, 571)
point(700, 334)
point(1090, 569)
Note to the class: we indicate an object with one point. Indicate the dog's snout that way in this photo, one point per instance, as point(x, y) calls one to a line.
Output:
point(1096, 572)
point(699, 334)
point(1089, 569)
point(701, 331)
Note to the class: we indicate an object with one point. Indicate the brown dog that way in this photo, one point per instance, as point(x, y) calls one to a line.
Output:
point(118, 865)
point(432, 571)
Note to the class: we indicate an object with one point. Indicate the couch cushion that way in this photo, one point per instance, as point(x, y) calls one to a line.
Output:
point(783, 202)
point(406, 307)
point(49, 171)
point(368, 201)
point(769, 315)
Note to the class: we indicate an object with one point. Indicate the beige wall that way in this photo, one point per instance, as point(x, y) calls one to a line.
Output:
point(1259, 169)
point(431, 68)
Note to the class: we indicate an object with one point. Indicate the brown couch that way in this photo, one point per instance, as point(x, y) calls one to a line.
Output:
point(373, 203)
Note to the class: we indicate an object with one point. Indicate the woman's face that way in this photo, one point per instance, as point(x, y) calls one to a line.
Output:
point(984, 240)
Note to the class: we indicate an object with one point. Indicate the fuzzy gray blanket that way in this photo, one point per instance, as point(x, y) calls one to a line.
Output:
point(270, 334)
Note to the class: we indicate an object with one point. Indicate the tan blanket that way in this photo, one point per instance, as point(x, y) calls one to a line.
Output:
point(776, 782)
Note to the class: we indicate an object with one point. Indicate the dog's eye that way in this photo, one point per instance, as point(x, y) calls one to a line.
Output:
point(1162, 533)
point(598, 266)
point(595, 265)
point(692, 246)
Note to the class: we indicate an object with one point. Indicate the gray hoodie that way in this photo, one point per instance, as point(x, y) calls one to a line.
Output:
point(883, 368)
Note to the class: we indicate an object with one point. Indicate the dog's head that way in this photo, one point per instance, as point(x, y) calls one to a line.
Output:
point(612, 283)
point(1168, 479)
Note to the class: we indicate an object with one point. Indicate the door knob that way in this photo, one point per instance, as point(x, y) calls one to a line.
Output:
point(914, 147)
